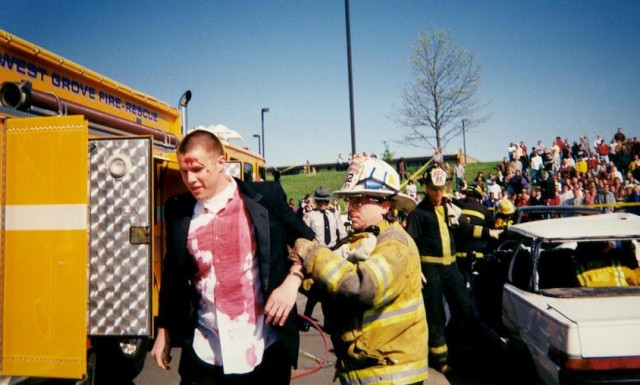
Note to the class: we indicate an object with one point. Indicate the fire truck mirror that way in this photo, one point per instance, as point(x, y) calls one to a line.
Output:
point(139, 235)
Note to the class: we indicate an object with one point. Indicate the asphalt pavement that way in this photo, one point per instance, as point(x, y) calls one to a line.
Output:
point(315, 365)
point(483, 366)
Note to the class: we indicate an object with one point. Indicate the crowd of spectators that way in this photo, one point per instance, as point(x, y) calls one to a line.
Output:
point(568, 173)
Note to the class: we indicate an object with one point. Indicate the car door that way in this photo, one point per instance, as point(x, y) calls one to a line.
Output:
point(525, 312)
point(519, 279)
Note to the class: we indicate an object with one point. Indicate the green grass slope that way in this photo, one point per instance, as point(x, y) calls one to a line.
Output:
point(296, 186)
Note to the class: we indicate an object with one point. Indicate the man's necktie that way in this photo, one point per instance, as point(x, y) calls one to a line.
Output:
point(327, 229)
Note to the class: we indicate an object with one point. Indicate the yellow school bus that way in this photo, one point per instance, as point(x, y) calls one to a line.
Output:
point(86, 165)
point(244, 164)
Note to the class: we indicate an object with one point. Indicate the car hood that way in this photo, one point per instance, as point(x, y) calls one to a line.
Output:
point(606, 326)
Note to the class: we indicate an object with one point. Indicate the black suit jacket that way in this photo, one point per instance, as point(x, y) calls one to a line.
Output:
point(276, 225)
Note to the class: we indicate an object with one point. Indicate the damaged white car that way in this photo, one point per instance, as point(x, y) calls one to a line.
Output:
point(566, 292)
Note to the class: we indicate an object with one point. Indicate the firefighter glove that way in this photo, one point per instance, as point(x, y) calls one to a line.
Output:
point(359, 248)
point(302, 249)
point(495, 233)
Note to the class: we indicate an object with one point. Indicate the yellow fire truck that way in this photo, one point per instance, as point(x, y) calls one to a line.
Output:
point(85, 168)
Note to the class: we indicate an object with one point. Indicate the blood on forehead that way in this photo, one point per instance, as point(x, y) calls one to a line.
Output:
point(191, 160)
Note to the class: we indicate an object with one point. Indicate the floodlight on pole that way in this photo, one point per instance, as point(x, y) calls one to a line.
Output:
point(264, 109)
point(259, 146)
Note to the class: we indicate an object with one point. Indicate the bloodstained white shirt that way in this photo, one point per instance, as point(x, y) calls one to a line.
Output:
point(231, 331)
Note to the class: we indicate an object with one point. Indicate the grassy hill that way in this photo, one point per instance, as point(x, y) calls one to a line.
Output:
point(297, 186)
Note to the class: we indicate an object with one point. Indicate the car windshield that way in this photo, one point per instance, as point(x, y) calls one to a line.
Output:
point(588, 264)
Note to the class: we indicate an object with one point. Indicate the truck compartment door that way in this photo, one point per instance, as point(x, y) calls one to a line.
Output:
point(43, 259)
point(120, 256)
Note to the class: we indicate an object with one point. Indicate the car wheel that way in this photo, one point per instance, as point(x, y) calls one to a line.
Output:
point(119, 359)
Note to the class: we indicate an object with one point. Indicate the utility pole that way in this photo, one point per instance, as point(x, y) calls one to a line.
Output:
point(464, 143)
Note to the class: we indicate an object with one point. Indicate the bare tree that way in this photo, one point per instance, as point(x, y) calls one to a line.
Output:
point(442, 93)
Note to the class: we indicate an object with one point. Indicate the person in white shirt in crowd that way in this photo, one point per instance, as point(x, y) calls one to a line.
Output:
point(537, 165)
point(412, 190)
point(339, 163)
point(578, 196)
point(566, 196)
point(493, 187)
point(511, 150)
point(614, 172)
point(459, 171)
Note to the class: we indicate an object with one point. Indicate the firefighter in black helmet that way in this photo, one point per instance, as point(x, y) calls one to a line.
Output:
point(434, 224)
point(480, 217)
point(471, 252)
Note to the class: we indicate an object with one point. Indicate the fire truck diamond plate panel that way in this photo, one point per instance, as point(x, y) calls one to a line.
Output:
point(119, 270)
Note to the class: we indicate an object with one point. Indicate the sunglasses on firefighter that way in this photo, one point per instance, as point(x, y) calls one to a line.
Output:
point(359, 200)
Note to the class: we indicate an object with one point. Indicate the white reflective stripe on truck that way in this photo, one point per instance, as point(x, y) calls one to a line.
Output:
point(46, 217)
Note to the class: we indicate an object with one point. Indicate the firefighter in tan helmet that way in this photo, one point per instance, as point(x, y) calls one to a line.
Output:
point(434, 225)
point(373, 308)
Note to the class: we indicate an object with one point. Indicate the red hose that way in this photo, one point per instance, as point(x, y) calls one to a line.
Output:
point(326, 358)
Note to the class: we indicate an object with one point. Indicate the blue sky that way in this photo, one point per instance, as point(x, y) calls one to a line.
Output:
point(549, 68)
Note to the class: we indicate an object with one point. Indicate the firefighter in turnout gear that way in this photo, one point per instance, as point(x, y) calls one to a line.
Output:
point(505, 210)
point(479, 216)
point(434, 224)
point(603, 263)
point(373, 284)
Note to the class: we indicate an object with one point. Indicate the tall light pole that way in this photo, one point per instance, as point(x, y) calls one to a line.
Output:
point(349, 69)
point(264, 109)
point(259, 147)
point(464, 143)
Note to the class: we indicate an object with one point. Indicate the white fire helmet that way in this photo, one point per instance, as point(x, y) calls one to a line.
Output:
point(434, 177)
point(375, 178)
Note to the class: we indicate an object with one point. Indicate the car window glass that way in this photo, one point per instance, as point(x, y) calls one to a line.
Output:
point(556, 267)
point(521, 268)
point(606, 263)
